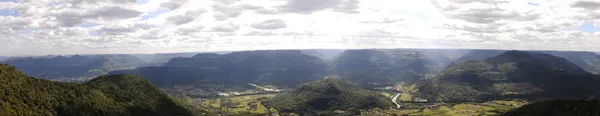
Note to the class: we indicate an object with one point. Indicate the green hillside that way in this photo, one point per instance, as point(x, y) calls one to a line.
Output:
point(115, 95)
point(558, 108)
point(512, 74)
point(328, 97)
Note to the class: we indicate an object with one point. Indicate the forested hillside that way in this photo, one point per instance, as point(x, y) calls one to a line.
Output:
point(324, 97)
point(589, 61)
point(558, 108)
point(116, 95)
point(513, 74)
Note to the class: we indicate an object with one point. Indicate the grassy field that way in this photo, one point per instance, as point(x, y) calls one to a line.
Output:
point(490, 108)
point(239, 105)
point(406, 97)
point(251, 105)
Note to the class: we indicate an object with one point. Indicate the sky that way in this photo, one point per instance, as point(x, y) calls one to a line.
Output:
point(42, 27)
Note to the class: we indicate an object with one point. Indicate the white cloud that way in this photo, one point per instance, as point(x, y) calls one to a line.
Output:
point(56, 27)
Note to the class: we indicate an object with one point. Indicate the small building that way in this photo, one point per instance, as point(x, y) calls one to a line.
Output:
point(416, 99)
point(223, 94)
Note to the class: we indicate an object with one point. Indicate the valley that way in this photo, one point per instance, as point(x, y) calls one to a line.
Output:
point(352, 82)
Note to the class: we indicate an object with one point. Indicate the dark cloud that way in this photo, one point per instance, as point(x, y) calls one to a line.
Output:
point(173, 4)
point(460, 9)
point(186, 18)
point(270, 24)
point(170, 5)
point(311, 6)
point(114, 12)
point(349, 6)
point(180, 19)
point(71, 18)
point(588, 5)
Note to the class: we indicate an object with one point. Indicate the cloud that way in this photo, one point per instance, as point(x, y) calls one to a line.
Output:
point(186, 18)
point(224, 12)
point(73, 17)
point(180, 19)
point(228, 27)
point(124, 26)
point(311, 6)
point(188, 30)
point(588, 5)
point(270, 24)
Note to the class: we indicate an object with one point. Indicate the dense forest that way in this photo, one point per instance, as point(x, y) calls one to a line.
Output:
point(587, 60)
point(115, 95)
point(558, 108)
point(330, 96)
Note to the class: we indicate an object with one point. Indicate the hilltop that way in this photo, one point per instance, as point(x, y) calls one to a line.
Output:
point(589, 61)
point(115, 95)
point(325, 97)
point(513, 74)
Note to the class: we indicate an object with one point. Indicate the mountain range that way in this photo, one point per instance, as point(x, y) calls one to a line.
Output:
point(589, 61)
point(77, 66)
point(513, 74)
point(285, 68)
point(377, 68)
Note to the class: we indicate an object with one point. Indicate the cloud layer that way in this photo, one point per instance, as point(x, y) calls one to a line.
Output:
point(40, 27)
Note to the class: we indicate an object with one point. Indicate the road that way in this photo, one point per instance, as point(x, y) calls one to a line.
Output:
point(395, 100)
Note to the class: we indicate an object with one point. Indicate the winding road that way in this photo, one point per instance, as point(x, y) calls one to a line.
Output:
point(395, 100)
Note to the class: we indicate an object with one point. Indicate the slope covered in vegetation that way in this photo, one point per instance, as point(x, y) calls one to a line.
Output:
point(115, 95)
point(325, 97)
point(512, 74)
point(558, 108)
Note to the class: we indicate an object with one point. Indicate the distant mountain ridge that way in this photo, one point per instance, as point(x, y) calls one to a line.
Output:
point(282, 68)
point(55, 67)
point(513, 74)
point(115, 95)
point(376, 68)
